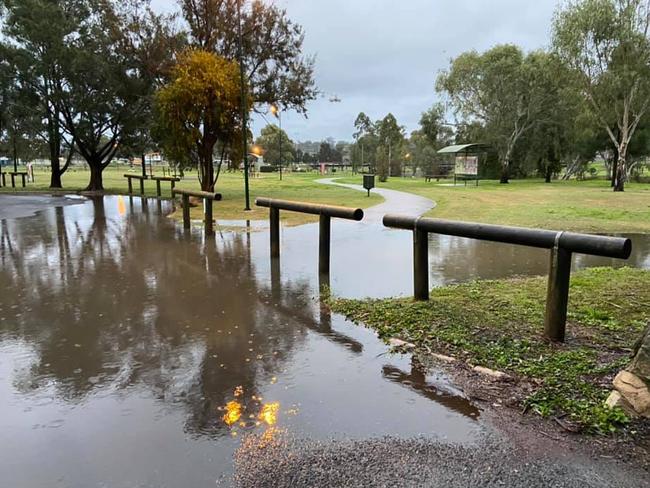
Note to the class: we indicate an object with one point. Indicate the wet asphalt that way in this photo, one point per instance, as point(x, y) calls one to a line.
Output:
point(393, 462)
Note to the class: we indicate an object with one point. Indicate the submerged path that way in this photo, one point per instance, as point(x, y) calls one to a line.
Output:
point(394, 201)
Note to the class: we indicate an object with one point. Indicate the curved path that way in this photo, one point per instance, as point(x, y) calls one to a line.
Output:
point(394, 201)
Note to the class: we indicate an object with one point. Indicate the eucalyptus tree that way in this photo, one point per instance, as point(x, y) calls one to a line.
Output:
point(606, 44)
point(34, 36)
point(276, 71)
point(504, 90)
point(271, 140)
point(93, 65)
point(390, 137)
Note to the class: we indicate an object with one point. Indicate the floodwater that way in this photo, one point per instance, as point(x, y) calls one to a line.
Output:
point(127, 346)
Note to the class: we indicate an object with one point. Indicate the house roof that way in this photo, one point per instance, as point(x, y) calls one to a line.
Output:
point(463, 148)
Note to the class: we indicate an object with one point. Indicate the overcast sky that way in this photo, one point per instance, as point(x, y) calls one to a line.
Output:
point(381, 56)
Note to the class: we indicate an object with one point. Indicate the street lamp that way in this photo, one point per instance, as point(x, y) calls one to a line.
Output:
point(240, 57)
point(276, 111)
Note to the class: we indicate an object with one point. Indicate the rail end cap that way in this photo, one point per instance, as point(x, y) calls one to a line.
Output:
point(358, 214)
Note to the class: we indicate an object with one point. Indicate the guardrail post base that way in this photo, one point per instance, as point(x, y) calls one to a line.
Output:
point(207, 212)
point(557, 295)
point(186, 211)
point(324, 244)
point(274, 221)
point(420, 265)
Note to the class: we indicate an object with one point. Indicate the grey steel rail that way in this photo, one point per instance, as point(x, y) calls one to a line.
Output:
point(326, 213)
point(561, 244)
point(207, 197)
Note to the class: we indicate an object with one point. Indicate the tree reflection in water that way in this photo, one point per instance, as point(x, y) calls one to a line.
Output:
point(110, 302)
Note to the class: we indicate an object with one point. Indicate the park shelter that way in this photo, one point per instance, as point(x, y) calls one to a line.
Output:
point(467, 160)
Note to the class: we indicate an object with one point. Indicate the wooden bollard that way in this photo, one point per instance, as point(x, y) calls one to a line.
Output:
point(420, 264)
point(557, 293)
point(274, 222)
point(324, 235)
point(207, 214)
point(186, 211)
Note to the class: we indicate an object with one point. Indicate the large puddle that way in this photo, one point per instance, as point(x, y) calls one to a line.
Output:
point(133, 354)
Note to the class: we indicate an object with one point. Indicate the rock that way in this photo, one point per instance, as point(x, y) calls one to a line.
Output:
point(640, 365)
point(442, 357)
point(634, 391)
point(400, 344)
point(615, 399)
point(498, 375)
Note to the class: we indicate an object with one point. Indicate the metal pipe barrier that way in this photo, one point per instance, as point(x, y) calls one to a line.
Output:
point(130, 177)
point(325, 213)
point(207, 197)
point(561, 244)
point(172, 180)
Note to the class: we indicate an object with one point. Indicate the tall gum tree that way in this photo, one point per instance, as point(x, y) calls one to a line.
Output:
point(606, 44)
point(504, 90)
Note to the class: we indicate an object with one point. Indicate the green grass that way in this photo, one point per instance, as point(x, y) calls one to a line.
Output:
point(499, 325)
point(587, 206)
point(294, 186)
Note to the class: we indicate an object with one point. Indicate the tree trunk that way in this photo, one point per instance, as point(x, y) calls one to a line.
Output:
point(548, 174)
point(96, 181)
point(55, 178)
point(621, 172)
point(505, 173)
point(207, 173)
point(614, 167)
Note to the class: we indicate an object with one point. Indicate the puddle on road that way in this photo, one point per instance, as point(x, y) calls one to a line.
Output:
point(126, 344)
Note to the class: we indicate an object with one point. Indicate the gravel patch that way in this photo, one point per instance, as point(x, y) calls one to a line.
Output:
point(280, 461)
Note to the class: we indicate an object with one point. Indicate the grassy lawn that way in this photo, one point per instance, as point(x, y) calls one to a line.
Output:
point(588, 206)
point(294, 186)
point(499, 325)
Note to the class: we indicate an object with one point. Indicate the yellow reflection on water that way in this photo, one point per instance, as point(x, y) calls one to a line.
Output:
point(269, 413)
point(121, 207)
point(233, 412)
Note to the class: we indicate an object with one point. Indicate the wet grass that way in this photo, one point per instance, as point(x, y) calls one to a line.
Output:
point(499, 325)
point(587, 206)
point(294, 186)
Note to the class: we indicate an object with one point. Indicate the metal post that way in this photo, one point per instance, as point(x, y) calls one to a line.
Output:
point(130, 185)
point(23, 178)
point(142, 187)
point(274, 221)
point(557, 296)
point(324, 244)
point(207, 212)
point(173, 186)
point(158, 188)
point(186, 211)
point(420, 264)
point(243, 103)
point(13, 180)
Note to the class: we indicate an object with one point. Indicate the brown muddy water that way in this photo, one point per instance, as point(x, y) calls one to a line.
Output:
point(134, 354)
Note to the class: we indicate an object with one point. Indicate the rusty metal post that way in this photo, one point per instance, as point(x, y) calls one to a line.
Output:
point(186, 211)
point(557, 295)
point(324, 235)
point(207, 213)
point(420, 264)
point(274, 221)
